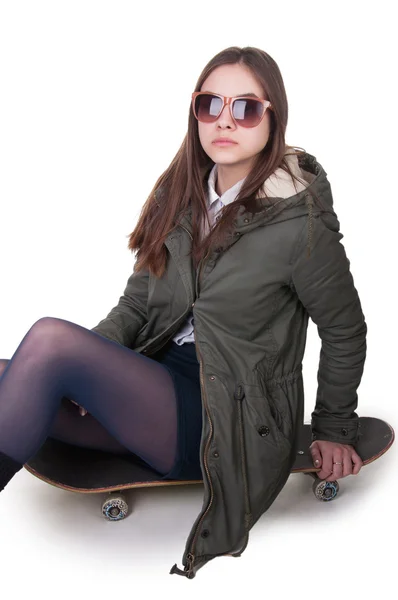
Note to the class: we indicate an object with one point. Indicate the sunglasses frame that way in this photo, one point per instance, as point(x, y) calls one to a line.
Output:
point(228, 101)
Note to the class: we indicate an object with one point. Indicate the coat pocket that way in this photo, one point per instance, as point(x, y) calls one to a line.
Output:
point(279, 409)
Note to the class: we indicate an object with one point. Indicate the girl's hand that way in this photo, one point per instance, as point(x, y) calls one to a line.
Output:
point(325, 453)
point(82, 410)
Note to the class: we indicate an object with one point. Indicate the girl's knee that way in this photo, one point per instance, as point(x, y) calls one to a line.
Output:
point(48, 329)
point(44, 338)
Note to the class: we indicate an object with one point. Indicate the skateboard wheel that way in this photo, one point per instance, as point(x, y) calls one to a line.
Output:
point(325, 490)
point(115, 507)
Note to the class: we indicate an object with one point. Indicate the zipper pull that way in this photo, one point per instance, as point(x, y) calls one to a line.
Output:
point(177, 571)
point(187, 572)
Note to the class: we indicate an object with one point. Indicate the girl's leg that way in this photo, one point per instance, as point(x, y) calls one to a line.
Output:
point(70, 427)
point(132, 396)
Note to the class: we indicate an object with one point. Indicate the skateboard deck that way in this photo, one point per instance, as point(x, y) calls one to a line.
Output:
point(93, 471)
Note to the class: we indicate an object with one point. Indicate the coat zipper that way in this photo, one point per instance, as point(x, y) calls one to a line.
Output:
point(188, 569)
point(191, 555)
point(239, 395)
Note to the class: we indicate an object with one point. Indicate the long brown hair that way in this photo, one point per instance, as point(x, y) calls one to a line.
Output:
point(184, 182)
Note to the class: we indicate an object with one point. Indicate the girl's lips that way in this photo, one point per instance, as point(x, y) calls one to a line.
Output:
point(224, 143)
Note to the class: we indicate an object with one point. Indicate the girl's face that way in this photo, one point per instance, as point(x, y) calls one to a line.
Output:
point(233, 80)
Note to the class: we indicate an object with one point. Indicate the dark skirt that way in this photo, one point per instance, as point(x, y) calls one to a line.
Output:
point(183, 366)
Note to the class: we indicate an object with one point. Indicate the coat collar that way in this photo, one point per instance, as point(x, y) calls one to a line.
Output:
point(279, 183)
point(284, 201)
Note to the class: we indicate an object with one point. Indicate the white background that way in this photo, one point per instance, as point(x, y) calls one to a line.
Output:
point(77, 163)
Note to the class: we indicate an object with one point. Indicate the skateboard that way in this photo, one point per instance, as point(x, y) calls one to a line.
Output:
point(90, 471)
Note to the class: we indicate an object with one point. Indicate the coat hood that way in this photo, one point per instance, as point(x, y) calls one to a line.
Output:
point(312, 196)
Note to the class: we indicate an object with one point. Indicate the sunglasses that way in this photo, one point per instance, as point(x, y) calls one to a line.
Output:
point(245, 110)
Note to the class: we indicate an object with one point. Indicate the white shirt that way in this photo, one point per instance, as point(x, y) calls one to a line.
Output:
point(215, 202)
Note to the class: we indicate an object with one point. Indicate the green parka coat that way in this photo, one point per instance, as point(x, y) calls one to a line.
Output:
point(251, 304)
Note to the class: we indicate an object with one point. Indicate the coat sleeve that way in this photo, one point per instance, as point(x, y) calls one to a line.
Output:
point(325, 286)
point(126, 319)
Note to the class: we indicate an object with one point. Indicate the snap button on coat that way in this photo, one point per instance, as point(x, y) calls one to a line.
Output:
point(263, 431)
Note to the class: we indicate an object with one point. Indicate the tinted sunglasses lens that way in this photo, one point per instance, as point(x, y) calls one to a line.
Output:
point(247, 112)
point(207, 107)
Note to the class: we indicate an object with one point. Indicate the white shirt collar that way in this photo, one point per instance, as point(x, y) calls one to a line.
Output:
point(228, 196)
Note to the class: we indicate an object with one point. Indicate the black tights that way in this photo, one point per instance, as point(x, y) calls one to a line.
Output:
point(129, 397)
